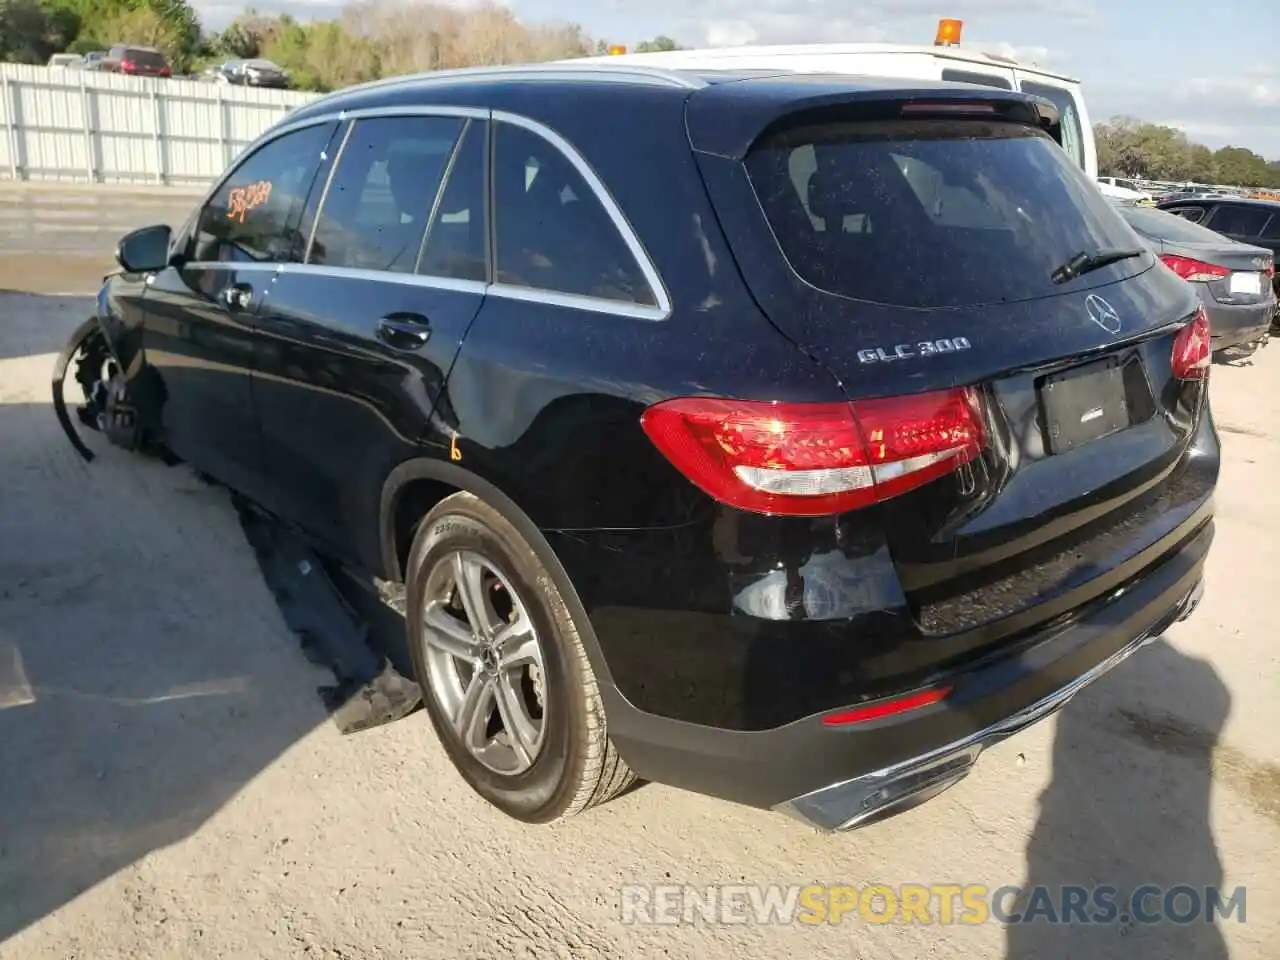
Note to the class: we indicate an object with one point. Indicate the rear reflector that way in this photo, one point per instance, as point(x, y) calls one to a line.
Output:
point(1194, 271)
point(886, 708)
point(816, 459)
point(1193, 348)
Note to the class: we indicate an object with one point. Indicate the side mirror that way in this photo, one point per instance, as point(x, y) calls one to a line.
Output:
point(145, 250)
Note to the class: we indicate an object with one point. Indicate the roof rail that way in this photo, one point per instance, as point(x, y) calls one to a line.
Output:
point(616, 73)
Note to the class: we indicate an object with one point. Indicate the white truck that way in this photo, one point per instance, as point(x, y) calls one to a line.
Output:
point(945, 60)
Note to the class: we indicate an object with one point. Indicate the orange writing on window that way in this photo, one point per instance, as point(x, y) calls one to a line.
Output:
point(243, 199)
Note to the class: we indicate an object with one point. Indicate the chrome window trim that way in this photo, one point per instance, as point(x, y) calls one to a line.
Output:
point(506, 291)
point(661, 311)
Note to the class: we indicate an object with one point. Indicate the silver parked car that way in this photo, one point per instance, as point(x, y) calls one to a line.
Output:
point(1233, 279)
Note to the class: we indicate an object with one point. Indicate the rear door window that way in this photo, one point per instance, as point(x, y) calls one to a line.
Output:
point(1239, 220)
point(551, 231)
point(931, 213)
point(1072, 133)
point(375, 210)
point(457, 244)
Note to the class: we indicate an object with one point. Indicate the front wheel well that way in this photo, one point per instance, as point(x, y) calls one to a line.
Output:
point(413, 502)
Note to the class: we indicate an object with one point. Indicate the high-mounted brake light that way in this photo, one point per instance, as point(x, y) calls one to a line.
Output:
point(887, 708)
point(948, 34)
point(816, 459)
point(1193, 348)
point(1194, 271)
point(931, 108)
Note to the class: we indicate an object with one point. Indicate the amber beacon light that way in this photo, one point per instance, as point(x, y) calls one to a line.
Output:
point(948, 34)
point(617, 50)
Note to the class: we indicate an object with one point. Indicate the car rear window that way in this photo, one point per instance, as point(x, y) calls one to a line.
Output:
point(147, 58)
point(1166, 226)
point(933, 213)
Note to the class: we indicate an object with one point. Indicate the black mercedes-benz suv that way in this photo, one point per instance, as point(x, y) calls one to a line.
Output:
point(787, 439)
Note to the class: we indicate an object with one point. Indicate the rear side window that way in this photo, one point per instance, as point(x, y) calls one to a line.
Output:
point(551, 232)
point(254, 214)
point(982, 79)
point(375, 211)
point(1072, 134)
point(932, 213)
point(1272, 230)
point(1242, 221)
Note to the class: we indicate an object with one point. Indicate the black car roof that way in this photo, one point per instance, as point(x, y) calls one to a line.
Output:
point(743, 102)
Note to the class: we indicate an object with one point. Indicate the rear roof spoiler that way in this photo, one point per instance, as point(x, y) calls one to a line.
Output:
point(726, 119)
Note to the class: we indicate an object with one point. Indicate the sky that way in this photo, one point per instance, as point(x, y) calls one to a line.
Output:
point(1210, 69)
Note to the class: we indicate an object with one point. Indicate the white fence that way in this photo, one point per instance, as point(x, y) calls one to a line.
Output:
point(76, 125)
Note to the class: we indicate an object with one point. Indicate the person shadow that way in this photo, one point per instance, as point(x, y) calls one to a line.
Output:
point(1128, 807)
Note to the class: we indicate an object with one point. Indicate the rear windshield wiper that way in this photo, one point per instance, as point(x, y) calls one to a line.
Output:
point(1084, 261)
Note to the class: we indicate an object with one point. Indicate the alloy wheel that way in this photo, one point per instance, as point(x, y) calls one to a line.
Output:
point(484, 662)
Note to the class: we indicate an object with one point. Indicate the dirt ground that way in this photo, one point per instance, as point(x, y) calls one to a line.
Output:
point(171, 787)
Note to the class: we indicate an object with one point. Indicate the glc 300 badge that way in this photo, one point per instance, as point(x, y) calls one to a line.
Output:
point(905, 351)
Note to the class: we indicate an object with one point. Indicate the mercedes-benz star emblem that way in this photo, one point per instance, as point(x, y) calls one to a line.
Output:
point(1102, 313)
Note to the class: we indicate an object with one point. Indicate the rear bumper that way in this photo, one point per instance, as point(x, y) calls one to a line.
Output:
point(873, 796)
point(834, 777)
point(1236, 325)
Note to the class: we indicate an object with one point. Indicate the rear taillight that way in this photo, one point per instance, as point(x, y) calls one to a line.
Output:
point(1195, 271)
point(128, 66)
point(816, 459)
point(1193, 348)
point(165, 72)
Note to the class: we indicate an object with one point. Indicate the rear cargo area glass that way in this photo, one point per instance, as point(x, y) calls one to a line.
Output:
point(934, 213)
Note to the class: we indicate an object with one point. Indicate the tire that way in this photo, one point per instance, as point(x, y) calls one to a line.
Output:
point(571, 764)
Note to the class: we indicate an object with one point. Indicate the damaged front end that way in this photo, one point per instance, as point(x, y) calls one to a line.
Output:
point(119, 396)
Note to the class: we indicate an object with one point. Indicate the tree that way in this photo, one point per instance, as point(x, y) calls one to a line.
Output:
point(31, 33)
point(659, 44)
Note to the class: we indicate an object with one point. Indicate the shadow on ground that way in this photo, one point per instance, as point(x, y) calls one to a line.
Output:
point(1128, 807)
point(145, 674)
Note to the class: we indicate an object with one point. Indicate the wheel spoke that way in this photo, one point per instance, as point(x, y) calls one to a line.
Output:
point(521, 729)
point(518, 645)
point(447, 633)
point(468, 577)
point(473, 712)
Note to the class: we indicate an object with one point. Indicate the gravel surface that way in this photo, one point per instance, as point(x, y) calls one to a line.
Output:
point(170, 786)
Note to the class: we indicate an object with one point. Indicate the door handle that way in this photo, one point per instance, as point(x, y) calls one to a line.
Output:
point(237, 296)
point(404, 331)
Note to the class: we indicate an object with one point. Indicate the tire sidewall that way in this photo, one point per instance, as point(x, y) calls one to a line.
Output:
point(540, 793)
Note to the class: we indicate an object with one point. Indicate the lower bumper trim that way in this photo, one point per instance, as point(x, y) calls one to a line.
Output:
point(875, 796)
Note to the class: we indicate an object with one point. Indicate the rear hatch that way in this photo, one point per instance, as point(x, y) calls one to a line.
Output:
point(931, 239)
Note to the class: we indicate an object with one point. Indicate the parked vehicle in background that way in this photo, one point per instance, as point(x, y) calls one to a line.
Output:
point(1249, 221)
point(1117, 188)
point(945, 60)
point(136, 61)
point(250, 73)
point(1234, 280)
point(66, 60)
point(747, 434)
